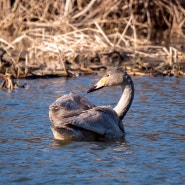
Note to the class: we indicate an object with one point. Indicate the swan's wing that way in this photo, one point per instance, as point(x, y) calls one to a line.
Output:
point(101, 120)
point(81, 101)
point(73, 101)
point(66, 106)
point(75, 111)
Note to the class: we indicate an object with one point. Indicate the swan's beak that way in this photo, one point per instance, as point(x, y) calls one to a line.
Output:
point(100, 84)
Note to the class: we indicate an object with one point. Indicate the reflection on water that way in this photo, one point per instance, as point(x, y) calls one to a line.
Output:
point(153, 151)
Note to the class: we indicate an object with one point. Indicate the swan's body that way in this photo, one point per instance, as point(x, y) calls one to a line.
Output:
point(74, 117)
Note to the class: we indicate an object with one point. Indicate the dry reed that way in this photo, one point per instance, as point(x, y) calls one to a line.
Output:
point(47, 37)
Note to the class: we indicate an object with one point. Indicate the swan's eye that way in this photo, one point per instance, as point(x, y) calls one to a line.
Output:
point(108, 75)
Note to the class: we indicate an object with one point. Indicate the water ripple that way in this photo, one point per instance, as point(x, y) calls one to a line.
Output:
point(152, 153)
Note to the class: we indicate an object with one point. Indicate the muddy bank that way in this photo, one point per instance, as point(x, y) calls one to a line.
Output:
point(159, 62)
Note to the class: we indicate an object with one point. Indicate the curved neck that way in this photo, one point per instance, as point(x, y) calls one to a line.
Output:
point(126, 99)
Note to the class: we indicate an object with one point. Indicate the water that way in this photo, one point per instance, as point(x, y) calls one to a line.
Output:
point(153, 151)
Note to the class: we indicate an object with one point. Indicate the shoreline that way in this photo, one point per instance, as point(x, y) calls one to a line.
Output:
point(139, 63)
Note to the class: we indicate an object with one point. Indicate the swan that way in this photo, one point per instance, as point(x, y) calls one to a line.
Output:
point(75, 118)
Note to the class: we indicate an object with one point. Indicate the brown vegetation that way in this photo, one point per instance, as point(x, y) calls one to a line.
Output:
point(73, 37)
point(8, 83)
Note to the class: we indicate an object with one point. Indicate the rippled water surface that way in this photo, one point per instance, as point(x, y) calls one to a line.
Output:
point(153, 151)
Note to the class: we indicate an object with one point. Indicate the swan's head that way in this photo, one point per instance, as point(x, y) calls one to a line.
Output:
point(112, 77)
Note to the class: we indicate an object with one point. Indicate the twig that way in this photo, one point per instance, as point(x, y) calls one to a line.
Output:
point(84, 10)
point(103, 34)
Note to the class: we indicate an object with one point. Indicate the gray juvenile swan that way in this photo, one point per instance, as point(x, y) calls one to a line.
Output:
point(74, 117)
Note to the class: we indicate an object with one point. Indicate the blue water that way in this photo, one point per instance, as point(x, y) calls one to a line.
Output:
point(153, 151)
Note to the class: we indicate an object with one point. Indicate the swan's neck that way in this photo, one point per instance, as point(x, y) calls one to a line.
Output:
point(126, 99)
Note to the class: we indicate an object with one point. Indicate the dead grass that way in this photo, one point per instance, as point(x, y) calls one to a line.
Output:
point(42, 37)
